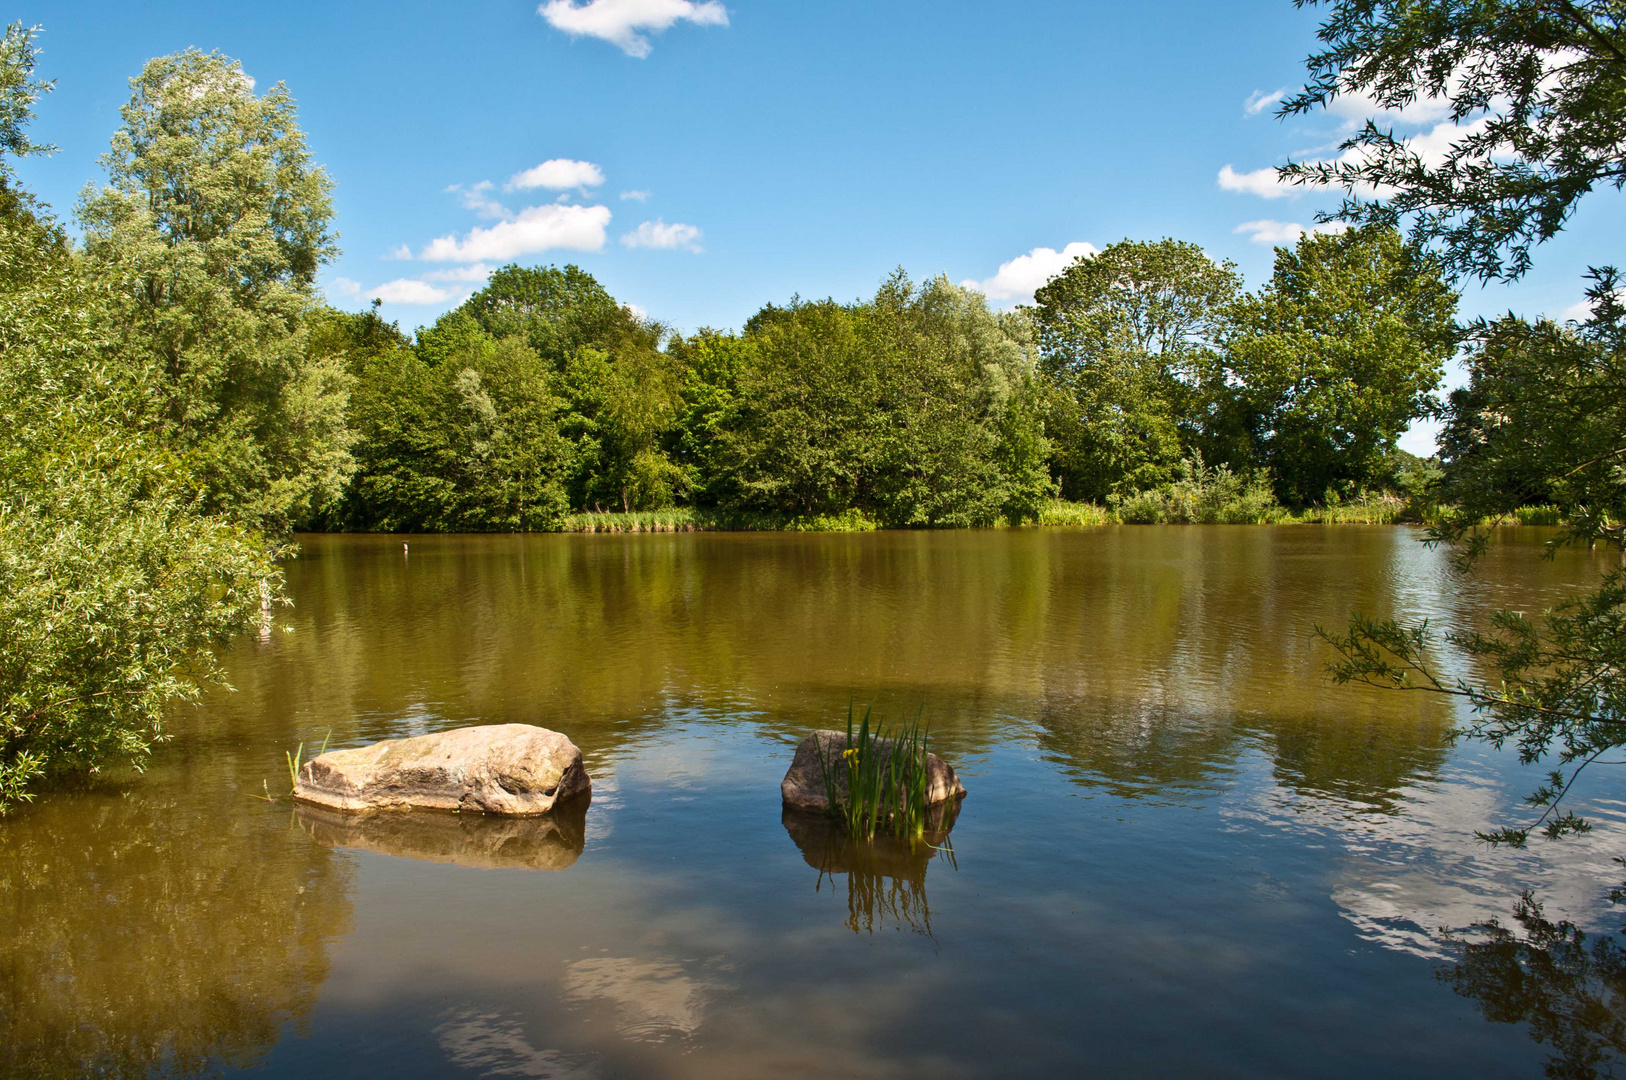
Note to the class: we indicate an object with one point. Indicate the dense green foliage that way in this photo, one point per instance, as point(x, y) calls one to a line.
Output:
point(211, 229)
point(1130, 340)
point(116, 578)
point(1331, 362)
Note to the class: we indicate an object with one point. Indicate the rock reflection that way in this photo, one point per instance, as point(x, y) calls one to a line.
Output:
point(143, 937)
point(886, 877)
point(486, 842)
point(1569, 987)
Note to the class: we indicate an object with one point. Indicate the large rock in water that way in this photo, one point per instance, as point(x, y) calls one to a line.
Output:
point(511, 769)
point(803, 786)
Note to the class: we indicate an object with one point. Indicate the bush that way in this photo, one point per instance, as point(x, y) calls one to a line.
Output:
point(1202, 496)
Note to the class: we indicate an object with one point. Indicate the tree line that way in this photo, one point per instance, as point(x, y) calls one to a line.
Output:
point(541, 395)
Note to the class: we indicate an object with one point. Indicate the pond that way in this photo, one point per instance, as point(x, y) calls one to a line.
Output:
point(1183, 850)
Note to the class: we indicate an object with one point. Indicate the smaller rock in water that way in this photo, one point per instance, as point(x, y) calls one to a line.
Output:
point(803, 786)
point(514, 769)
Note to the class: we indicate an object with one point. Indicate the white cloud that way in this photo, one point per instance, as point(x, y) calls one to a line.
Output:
point(534, 229)
point(1017, 279)
point(636, 196)
point(1433, 145)
point(1581, 310)
point(556, 175)
point(1261, 182)
point(1284, 232)
point(1259, 101)
point(637, 312)
point(409, 291)
point(346, 287)
point(1354, 110)
point(477, 273)
point(402, 252)
point(1420, 438)
point(475, 198)
point(624, 23)
point(658, 234)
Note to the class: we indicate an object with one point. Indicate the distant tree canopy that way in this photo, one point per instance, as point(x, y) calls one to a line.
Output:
point(1329, 364)
point(541, 395)
point(1154, 356)
point(1128, 339)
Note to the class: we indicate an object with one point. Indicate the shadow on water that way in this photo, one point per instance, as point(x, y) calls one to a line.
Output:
point(1567, 986)
point(144, 937)
point(485, 842)
point(885, 877)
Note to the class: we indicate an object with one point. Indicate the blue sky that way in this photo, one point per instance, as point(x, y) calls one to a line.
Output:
point(704, 158)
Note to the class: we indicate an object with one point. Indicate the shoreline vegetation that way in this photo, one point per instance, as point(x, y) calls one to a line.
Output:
point(1375, 510)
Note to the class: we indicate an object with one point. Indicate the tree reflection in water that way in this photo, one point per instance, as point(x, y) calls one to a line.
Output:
point(886, 877)
point(1567, 985)
point(159, 933)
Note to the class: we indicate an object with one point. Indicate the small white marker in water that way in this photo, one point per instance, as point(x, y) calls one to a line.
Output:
point(403, 548)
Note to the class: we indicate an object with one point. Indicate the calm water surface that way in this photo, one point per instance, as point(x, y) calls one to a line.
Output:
point(1183, 853)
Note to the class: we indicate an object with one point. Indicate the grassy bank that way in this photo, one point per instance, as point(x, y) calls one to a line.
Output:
point(1146, 509)
point(692, 519)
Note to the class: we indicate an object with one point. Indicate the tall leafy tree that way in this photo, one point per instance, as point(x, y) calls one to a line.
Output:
point(1127, 337)
point(1538, 88)
point(116, 585)
point(1329, 364)
point(214, 222)
point(919, 407)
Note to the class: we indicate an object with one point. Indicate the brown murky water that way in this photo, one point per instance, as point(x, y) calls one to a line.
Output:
point(1184, 852)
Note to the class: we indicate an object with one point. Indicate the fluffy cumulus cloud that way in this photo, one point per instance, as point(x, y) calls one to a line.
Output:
point(627, 23)
point(1261, 182)
point(533, 230)
point(557, 175)
point(636, 195)
point(410, 291)
point(402, 252)
point(658, 234)
point(346, 287)
point(1017, 279)
point(476, 274)
point(1276, 233)
point(1354, 110)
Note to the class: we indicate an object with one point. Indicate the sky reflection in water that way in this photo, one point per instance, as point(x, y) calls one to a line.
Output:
point(1182, 849)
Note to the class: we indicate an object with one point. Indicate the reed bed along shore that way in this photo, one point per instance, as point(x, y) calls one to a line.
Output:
point(1368, 510)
